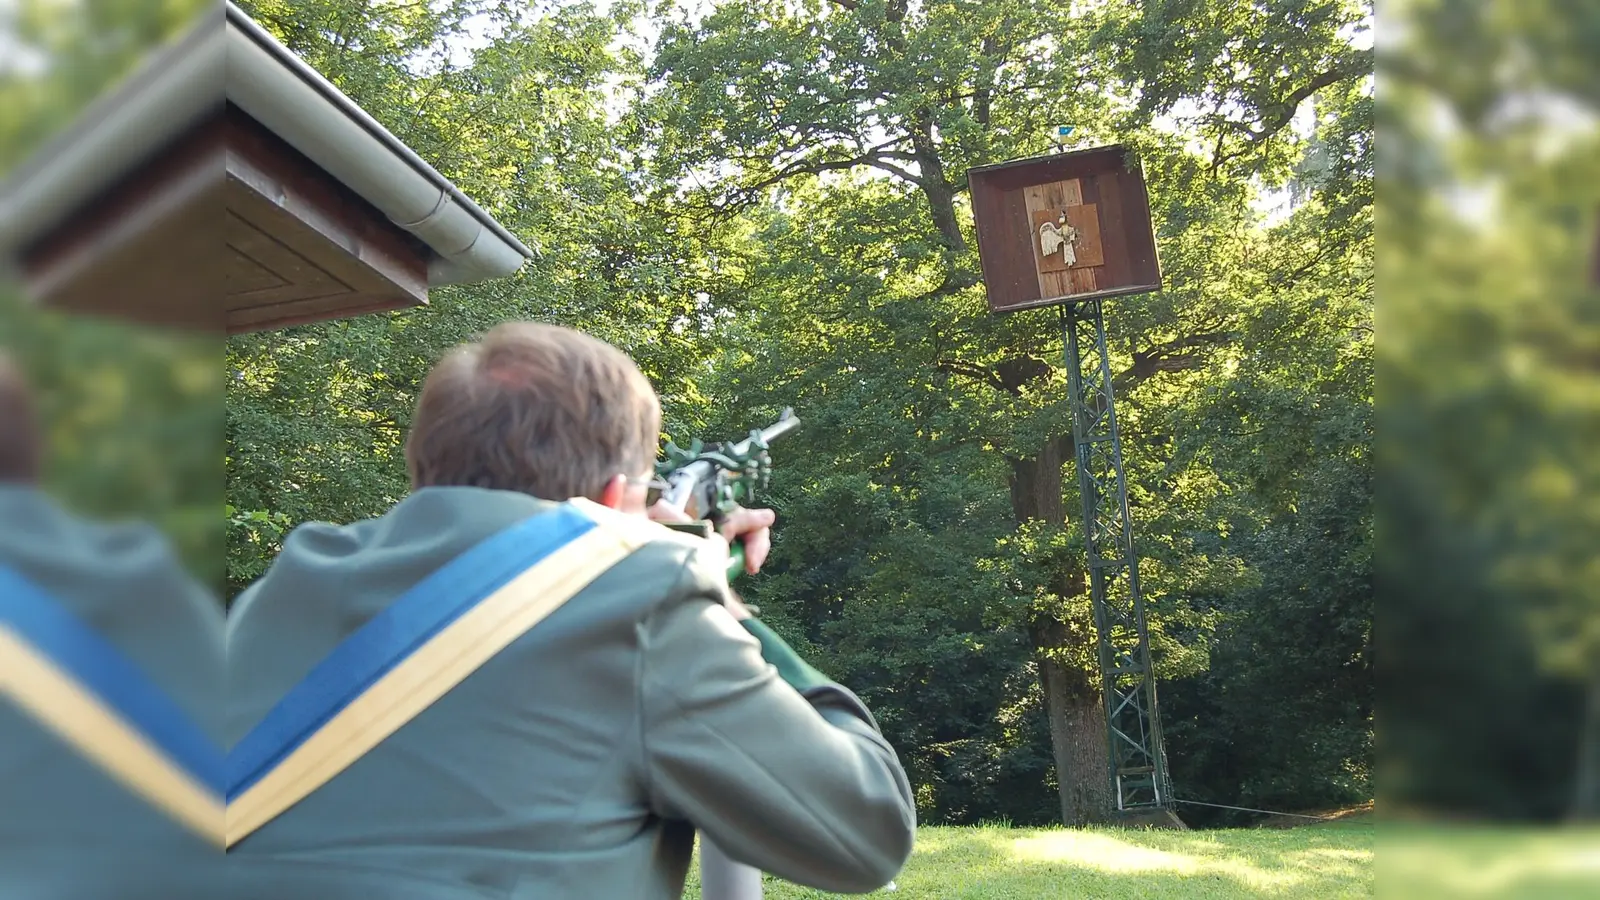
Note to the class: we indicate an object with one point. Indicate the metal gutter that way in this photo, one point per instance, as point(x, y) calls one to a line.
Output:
point(178, 86)
point(280, 91)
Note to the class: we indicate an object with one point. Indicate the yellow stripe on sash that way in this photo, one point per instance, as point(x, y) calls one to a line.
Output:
point(58, 702)
point(437, 666)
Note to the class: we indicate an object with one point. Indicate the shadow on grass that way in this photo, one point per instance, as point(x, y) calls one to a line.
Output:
point(983, 863)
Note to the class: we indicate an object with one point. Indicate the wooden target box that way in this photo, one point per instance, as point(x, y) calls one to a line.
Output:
point(1063, 228)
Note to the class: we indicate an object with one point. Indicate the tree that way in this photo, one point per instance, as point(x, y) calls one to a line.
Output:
point(848, 125)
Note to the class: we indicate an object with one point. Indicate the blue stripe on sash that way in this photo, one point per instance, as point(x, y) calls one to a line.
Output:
point(108, 674)
point(389, 637)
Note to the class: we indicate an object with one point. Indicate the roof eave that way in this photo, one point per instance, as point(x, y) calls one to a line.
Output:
point(178, 88)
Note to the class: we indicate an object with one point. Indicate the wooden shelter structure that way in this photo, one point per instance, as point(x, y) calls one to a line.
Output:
point(227, 186)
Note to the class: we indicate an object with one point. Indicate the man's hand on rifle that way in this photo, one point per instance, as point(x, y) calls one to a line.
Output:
point(752, 526)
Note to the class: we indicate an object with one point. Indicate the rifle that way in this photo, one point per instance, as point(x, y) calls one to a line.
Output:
point(708, 482)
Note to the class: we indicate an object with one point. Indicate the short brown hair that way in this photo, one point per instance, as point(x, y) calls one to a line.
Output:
point(540, 409)
point(20, 441)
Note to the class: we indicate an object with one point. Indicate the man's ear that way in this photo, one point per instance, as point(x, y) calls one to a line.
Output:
point(612, 494)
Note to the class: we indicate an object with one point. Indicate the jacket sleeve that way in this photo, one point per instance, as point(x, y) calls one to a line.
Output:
point(794, 779)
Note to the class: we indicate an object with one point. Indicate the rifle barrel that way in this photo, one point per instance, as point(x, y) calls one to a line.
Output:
point(786, 423)
point(683, 482)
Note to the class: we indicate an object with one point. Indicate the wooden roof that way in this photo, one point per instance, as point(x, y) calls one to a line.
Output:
point(228, 187)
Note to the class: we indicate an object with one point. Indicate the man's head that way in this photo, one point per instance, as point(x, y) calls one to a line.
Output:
point(539, 409)
point(20, 441)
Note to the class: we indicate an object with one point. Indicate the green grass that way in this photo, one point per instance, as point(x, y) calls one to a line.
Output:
point(1324, 862)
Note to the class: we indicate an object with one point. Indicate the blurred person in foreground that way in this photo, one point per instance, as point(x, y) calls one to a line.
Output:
point(110, 695)
point(568, 756)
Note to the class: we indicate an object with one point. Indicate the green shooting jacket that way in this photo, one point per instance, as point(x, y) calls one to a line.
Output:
point(69, 829)
point(577, 762)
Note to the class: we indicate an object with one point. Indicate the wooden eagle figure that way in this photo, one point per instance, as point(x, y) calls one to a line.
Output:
point(1059, 235)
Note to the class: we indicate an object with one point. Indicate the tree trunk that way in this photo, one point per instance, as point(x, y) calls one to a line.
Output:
point(1586, 798)
point(1072, 697)
point(1078, 739)
point(941, 196)
point(1036, 485)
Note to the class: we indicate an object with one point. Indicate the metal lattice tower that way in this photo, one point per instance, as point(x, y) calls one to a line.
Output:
point(1139, 777)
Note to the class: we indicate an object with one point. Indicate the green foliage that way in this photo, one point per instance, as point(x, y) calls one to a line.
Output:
point(63, 54)
point(1489, 435)
point(133, 421)
point(1234, 75)
point(828, 138)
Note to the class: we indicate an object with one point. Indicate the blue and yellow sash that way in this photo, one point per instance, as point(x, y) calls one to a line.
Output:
point(374, 682)
point(417, 649)
point(76, 684)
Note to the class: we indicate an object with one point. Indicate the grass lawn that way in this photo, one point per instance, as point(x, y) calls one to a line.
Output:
point(1325, 862)
point(1479, 862)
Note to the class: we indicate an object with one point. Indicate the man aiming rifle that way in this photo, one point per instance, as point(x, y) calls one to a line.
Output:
point(515, 684)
